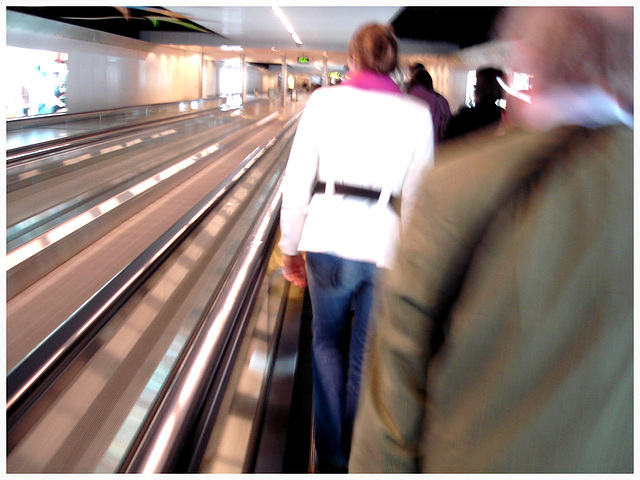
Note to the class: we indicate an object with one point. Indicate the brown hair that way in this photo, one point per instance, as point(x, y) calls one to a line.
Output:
point(375, 48)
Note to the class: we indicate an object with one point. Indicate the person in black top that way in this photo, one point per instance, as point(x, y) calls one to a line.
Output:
point(486, 112)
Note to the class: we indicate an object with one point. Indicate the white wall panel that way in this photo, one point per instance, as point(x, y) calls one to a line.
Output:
point(210, 79)
point(456, 89)
point(254, 79)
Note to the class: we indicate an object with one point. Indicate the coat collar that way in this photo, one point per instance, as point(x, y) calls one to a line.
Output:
point(367, 80)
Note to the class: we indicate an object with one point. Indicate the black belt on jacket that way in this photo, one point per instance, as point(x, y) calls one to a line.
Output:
point(341, 189)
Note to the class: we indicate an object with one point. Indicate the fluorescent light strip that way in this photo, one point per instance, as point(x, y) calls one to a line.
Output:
point(285, 21)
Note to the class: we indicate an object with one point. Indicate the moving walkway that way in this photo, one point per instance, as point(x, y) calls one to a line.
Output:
point(182, 347)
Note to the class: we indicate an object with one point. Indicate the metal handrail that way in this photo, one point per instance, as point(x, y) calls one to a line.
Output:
point(163, 438)
point(57, 118)
point(57, 350)
point(57, 145)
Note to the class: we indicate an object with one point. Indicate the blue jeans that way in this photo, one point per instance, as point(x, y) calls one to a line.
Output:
point(337, 286)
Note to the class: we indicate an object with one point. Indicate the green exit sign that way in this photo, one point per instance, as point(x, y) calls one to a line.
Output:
point(303, 59)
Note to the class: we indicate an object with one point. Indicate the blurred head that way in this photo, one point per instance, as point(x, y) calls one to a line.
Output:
point(414, 67)
point(487, 87)
point(561, 46)
point(374, 47)
point(423, 78)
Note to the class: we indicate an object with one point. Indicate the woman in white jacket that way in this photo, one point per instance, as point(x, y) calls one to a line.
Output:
point(359, 148)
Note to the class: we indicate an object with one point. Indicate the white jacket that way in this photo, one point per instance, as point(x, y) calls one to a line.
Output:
point(365, 138)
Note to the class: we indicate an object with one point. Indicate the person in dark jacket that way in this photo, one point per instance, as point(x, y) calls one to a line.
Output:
point(421, 86)
point(485, 113)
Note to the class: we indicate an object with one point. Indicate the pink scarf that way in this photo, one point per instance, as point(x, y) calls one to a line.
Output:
point(368, 80)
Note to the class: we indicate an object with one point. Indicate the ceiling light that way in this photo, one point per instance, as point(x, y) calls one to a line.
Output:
point(286, 24)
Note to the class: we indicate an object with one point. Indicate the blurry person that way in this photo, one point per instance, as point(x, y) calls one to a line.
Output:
point(415, 67)
point(412, 69)
point(25, 101)
point(421, 86)
point(359, 148)
point(503, 336)
point(485, 113)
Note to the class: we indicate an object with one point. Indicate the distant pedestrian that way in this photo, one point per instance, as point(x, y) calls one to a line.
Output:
point(486, 113)
point(421, 86)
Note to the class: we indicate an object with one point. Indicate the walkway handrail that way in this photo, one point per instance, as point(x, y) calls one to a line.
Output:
point(51, 357)
point(164, 437)
point(57, 118)
point(49, 147)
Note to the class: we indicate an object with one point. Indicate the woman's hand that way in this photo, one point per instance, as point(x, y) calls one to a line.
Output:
point(294, 270)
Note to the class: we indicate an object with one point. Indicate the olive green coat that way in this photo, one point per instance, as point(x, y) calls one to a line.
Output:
point(502, 340)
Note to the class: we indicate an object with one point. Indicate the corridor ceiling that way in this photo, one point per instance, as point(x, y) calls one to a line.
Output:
point(320, 28)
